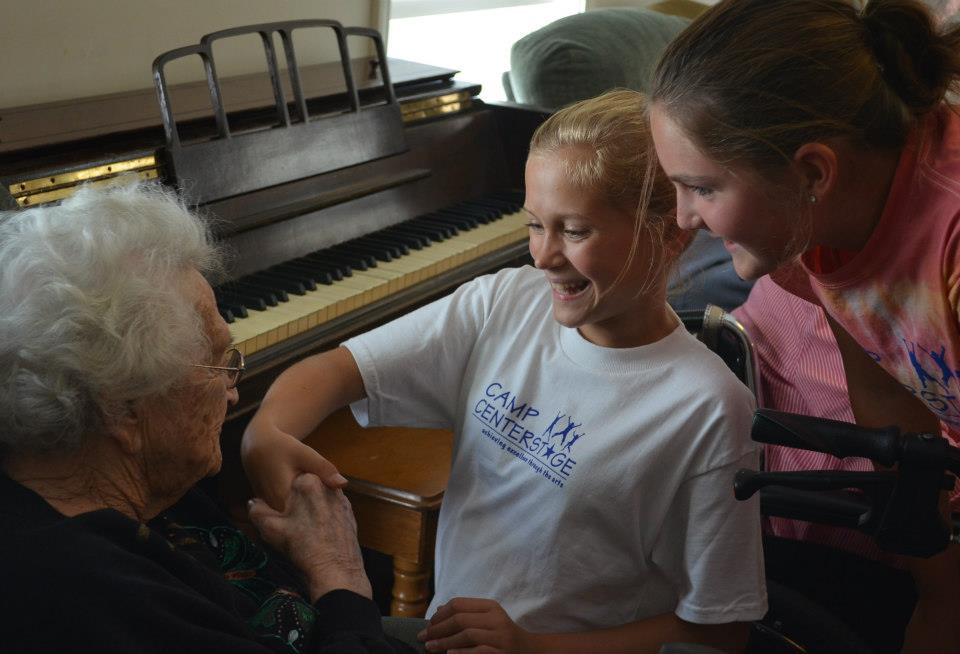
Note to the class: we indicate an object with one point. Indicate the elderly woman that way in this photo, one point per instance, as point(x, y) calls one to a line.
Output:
point(115, 375)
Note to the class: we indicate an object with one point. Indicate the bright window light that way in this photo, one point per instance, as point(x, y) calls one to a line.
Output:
point(475, 42)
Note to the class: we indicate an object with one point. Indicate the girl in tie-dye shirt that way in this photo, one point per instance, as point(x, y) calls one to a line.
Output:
point(815, 138)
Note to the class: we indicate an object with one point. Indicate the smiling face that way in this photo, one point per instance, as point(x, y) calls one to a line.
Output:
point(582, 243)
point(759, 231)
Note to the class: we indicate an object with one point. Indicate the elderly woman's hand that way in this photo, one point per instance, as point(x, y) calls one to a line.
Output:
point(318, 533)
point(272, 459)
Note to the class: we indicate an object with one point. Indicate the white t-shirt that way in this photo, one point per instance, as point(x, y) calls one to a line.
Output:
point(590, 486)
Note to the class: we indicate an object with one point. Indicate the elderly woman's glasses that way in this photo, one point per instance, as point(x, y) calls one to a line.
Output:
point(234, 367)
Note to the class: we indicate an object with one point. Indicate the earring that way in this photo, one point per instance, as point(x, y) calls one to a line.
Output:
point(812, 198)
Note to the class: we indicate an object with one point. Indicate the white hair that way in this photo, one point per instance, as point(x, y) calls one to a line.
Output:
point(93, 313)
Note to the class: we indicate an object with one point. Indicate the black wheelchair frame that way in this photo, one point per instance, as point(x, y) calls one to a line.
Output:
point(898, 508)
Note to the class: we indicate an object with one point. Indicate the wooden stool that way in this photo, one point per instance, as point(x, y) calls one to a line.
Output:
point(397, 477)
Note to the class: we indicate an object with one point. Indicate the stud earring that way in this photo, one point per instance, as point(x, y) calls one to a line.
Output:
point(812, 198)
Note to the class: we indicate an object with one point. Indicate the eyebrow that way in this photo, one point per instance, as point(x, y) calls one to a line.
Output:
point(694, 180)
point(562, 217)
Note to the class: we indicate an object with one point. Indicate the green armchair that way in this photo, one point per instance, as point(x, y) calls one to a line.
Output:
point(585, 54)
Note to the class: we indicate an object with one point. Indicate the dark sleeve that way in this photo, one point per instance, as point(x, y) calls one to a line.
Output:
point(348, 623)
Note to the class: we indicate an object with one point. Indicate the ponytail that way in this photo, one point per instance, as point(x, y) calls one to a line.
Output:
point(919, 63)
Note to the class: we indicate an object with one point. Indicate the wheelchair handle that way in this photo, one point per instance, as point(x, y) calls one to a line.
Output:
point(748, 482)
point(840, 439)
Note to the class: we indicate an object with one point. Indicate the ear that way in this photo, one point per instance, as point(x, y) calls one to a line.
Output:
point(817, 165)
point(125, 428)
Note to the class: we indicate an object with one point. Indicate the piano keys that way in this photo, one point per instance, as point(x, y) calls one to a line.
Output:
point(272, 305)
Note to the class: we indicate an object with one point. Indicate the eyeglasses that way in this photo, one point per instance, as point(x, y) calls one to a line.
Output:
point(234, 368)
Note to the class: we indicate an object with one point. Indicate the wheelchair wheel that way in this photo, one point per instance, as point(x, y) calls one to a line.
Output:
point(795, 625)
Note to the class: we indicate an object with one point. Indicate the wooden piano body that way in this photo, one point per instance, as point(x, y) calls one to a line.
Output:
point(338, 154)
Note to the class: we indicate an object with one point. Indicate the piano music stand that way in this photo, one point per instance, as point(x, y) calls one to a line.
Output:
point(397, 479)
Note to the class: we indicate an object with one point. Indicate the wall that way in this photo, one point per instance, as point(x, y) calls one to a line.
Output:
point(62, 49)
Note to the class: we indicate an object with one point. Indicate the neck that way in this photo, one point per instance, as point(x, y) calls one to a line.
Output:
point(853, 213)
point(655, 322)
point(84, 480)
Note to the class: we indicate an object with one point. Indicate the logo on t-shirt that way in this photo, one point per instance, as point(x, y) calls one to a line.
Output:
point(545, 445)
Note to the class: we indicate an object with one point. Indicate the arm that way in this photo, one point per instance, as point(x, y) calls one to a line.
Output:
point(482, 626)
point(878, 400)
point(296, 403)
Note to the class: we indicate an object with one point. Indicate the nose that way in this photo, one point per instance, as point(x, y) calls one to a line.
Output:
point(233, 396)
point(546, 250)
point(687, 218)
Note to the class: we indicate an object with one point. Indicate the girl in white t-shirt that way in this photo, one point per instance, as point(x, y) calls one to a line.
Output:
point(590, 501)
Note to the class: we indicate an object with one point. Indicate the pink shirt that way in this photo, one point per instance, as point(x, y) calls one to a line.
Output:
point(898, 296)
point(800, 372)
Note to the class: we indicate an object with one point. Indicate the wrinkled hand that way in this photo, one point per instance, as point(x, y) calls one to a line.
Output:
point(475, 626)
point(318, 533)
point(272, 459)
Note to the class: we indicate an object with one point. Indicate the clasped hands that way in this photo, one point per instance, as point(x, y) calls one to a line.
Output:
point(316, 530)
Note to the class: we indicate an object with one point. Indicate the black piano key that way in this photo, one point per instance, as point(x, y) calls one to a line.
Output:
point(236, 309)
point(414, 241)
point(448, 231)
point(355, 260)
point(377, 252)
point(244, 289)
point(244, 299)
point(271, 294)
point(461, 224)
point(397, 249)
point(323, 258)
point(303, 279)
point(405, 229)
point(410, 227)
point(312, 271)
point(337, 272)
point(448, 226)
point(480, 216)
point(279, 281)
point(225, 313)
point(458, 217)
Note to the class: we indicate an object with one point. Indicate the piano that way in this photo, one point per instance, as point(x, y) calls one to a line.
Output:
point(340, 209)
point(348, 193)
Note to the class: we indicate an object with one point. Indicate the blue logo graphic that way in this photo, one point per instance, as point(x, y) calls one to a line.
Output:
point(511, 423)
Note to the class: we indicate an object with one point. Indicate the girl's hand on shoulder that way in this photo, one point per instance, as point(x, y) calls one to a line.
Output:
point(475, 626)
point(272, 459)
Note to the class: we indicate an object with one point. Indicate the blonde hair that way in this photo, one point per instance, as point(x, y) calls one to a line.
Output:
point(610, 137)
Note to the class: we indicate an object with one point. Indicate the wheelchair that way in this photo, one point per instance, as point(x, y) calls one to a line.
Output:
point(897, 508)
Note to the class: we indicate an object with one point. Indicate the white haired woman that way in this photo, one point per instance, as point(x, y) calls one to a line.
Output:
point(115, 375)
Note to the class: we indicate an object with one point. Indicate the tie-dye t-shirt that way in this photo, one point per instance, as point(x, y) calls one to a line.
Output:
point(898, 296)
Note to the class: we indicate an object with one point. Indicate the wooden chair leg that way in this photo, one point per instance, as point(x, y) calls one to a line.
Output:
point(411, 588)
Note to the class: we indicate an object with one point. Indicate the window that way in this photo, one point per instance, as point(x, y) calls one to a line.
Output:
point(472, 36)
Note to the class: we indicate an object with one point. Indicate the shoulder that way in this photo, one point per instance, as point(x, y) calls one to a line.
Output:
point(712, 408)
